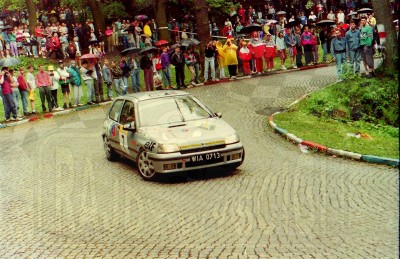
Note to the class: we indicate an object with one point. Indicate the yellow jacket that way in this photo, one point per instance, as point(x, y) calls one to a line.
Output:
point(147, 30)
point(230, 54)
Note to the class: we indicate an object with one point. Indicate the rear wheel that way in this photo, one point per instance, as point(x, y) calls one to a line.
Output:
point(110, 153)
point(145, 166)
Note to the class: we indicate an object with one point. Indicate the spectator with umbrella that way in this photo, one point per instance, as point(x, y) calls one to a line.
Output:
point(165, 63)
point(87, 77)
point(76, 83)
point(123, 64)
point(134, 71)
point(116, 72)
point(147, 66)
point(107, 77)
point(178, 60)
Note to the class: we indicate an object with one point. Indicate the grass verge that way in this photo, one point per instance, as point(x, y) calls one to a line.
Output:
point(333, 127)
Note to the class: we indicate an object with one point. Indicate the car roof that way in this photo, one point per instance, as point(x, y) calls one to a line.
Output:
point(141, 96)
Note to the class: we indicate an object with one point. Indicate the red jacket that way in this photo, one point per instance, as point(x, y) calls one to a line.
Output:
point(22, 85)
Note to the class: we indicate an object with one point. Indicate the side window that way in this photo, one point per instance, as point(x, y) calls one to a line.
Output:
point(115, 111)
point(128, 113)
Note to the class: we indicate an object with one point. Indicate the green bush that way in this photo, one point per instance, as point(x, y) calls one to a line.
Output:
point(370, 100)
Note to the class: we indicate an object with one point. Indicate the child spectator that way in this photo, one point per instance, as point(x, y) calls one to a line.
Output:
point(280, 44)
point(270, 50)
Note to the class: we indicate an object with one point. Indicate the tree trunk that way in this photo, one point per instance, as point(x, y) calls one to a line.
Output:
point(382, 11)
point(32, 15)
point(98, 18)
point(161, 19)
point(203, 29)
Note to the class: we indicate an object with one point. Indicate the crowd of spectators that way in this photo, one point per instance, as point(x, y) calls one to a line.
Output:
point(290, 34)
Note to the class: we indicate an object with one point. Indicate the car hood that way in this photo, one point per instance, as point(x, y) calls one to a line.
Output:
point(190, 134)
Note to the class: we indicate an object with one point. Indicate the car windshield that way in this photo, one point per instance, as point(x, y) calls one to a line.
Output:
point(171, 110)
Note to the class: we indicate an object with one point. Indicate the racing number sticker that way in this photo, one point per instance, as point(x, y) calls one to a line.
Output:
point(123, 138)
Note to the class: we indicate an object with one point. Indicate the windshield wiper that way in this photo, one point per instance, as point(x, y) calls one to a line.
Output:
point(177, 125)
point(180, 112)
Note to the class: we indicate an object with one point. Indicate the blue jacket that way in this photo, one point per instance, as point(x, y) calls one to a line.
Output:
point(75, 75)
point(338, 45)
point(352, 40)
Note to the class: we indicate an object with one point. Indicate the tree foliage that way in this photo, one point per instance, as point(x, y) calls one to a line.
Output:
point(13, 5)
point(114, 10)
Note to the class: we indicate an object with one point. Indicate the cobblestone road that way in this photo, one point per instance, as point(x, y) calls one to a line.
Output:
point(60, 197)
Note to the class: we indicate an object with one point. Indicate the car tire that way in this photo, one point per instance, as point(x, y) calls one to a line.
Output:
point(145, 166)
point(111, 155)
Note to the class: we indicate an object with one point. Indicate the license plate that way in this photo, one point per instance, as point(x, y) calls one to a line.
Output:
point(205, 157)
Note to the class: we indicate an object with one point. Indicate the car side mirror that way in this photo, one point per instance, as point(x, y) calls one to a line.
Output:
point(129, 126)
point(218, 114)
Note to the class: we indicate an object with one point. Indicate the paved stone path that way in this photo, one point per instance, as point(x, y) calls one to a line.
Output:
point(60, 197)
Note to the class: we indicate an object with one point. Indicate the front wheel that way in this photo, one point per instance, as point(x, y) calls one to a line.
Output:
point(145, 166)
point(110, 153)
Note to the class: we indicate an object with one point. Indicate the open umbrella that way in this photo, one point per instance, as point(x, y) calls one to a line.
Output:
point(250, 28)
point(281, 13)
point(365, 10)
point(129, 29)
point(352, 13)
point(161, 43)
point(131, 50)
point(7, 27)
point(323, 23)
point(189, 42)
point(9, 62)
point(292, 24)
point(271, 21)
point(148, 49)
point(141, 17)
point(89, 56)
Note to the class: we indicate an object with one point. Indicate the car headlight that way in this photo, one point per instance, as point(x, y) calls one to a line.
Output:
point(234, 138)
point(167, 148)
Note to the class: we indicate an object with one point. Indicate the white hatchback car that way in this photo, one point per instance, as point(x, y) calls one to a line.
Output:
point(169, 131)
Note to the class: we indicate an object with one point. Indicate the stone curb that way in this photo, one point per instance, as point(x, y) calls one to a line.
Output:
point(50, 115)
point(326, 150)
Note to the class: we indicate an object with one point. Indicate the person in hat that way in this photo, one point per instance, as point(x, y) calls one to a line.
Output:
point(245, 55)
point(55, 77)
point(338, 50)
point(64, 83)
point(270, 50)
point(231, 57)
point(257, 48)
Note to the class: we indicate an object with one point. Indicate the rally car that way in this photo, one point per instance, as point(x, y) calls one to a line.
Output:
point(169, 132)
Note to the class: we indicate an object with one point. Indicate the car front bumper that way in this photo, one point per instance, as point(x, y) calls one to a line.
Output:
point(177, 162)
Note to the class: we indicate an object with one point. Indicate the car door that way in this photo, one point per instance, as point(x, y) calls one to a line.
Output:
point(114, 117)
point(127, 138)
